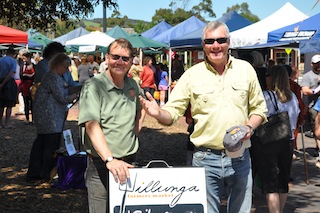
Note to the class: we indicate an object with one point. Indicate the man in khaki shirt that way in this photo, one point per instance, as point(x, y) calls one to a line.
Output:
point(223, 92)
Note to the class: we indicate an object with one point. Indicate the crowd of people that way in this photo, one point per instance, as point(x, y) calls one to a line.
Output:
point(116, 94)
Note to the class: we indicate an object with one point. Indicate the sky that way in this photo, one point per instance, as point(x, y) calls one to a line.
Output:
point(145, 9)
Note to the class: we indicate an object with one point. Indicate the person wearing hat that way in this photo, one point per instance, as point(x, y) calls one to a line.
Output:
point(8, 87)
point(312, 91)
point(223, 92)
point(310, 81)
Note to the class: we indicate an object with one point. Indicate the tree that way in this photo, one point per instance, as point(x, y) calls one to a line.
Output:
point(204, 7)
point(171, 17)
point(43, 13)
point(243, 10)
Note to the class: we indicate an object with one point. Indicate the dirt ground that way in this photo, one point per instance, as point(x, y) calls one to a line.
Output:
point(18, 195)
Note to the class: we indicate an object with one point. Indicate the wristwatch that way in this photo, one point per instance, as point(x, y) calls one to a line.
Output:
point(109, 159)
point(251, 129)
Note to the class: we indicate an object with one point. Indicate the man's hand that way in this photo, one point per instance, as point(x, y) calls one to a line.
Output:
point(150, 105)
point(119, 170)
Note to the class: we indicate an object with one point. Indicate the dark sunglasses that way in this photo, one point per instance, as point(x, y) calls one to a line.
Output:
point(212, 40)
point(117, 57)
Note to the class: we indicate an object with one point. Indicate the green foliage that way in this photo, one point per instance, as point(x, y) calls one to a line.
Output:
point(203, 8)
point(40, 14)
point(171, 17)
point(243, 10)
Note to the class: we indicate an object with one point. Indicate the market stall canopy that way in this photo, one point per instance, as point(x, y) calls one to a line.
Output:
point(257, 33)
point(232, 19)
point(156, 30)
point(10, 35)
point(41, 40)
point(187, 26)
point(32, 32)
point(117, 32)
point(139, 41)
point(94, 38)
point(302, 30)
point(80, 31)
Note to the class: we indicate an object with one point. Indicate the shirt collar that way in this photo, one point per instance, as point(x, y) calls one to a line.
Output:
point(212, 69)
point(110, 85)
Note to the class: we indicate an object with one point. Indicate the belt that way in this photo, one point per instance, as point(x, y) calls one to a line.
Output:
point(215, 151)
point(129, 159)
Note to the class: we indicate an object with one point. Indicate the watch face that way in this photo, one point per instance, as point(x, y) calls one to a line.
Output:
point(109, 159)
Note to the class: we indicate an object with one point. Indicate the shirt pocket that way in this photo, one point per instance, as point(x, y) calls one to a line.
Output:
point(203, 97)
point(239, 93)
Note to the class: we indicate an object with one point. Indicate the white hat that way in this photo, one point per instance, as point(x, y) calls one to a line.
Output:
point(232, 141)
point(315, 59)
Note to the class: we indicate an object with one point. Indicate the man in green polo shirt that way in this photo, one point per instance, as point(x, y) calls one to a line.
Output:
point(223, 92)
point(110, 111)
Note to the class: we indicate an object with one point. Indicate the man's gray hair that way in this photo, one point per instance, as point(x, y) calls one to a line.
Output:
point(214, 25)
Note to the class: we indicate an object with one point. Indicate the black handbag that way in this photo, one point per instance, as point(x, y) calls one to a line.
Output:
point(277, 128)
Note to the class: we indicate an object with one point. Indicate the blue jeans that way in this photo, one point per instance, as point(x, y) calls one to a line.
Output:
point(226, 176)
point(97, 193)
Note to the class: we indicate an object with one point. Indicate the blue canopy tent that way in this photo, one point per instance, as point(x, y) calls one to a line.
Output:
point(80, 31)
point(187, 26)
point(156, 30)
point(306, 32)
point(232, 19)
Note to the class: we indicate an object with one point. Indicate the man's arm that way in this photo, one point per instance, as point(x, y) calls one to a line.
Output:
point(317, 126)
point(307, 91)
point(118, 168)
point(252, 124)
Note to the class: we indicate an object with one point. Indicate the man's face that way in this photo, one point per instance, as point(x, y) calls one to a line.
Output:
point(90, 58)
point(119, 65)
point(316, 67)
point(216, 52)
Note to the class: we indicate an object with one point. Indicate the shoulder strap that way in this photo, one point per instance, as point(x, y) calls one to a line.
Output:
point(273, 100)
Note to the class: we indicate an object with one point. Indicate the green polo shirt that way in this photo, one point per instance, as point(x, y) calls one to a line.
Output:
point(115, 109)
point(218, 102)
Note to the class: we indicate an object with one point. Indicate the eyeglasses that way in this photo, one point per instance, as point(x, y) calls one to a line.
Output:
point(212, 40)
point(117, 57)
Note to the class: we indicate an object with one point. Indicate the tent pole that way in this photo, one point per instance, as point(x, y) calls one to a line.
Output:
point(170, 62)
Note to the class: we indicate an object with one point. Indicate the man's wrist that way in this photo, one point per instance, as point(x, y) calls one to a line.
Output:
point(250, 128)
point(109, 159)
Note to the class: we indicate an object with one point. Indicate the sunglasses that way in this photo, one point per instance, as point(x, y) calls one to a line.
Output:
point(212, 40)
point(117, 57)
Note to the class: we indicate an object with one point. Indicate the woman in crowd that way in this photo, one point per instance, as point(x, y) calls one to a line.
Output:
point(26, 83)
point(273, 159)
point(147, 76)
point(162, 76)
point(49, 110)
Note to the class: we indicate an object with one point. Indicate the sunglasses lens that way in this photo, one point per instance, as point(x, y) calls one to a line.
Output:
point(222, 40)
point(212, 40)
point(209, 41)
point(125, 58)
point(117, 57)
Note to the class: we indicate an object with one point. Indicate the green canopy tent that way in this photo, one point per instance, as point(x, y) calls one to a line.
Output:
point(41, 40)
point(139, 41)
point(117, 32)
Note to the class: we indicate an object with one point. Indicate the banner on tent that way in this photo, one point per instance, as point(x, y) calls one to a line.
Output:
point(297, 35)
point(89, 48)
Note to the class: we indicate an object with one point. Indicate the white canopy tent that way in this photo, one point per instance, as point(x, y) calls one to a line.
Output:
point(94, 38)
point(257, 33)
